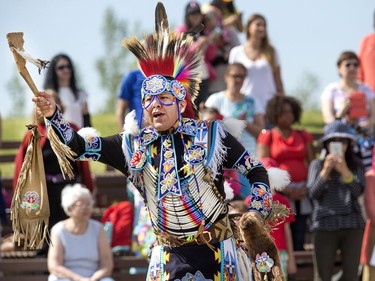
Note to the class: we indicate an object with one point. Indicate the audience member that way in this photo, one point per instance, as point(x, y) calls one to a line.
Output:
point(221, 41)
point(262, 61)
point(352, 101)
point(79, 247)
point(61, 81)
point(368, 242)
point(366, 72)
point(231, 17)
point(194, 17)
point(335, 182)
point(293, 151)
point(232, 103)
point(129, 97)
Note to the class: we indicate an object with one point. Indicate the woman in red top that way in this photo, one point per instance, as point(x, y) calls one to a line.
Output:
point(293, 151)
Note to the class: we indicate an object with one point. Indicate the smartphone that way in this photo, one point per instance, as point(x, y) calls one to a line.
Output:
point(335, 147)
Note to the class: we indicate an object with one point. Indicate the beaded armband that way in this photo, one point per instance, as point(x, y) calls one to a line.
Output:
point(246, 163)
point(65, 132)
point(261, 199)
point(93, 147)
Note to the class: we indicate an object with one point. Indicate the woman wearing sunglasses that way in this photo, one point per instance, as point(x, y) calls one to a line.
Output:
point(61, 82)
point(352, 101)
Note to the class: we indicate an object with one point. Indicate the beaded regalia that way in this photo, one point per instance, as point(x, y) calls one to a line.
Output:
point(179, 171)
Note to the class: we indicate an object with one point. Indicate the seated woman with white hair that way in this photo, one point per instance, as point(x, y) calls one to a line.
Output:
point(79, 250)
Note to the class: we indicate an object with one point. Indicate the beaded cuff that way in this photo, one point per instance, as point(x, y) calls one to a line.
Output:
point(93, 147)
point(261, 199)
point(65, 132)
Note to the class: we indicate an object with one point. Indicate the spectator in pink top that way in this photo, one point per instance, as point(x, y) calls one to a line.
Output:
point(193, 18)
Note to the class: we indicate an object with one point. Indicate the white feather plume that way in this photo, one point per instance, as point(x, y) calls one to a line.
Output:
point(40, 64)
point(234, 126)
point(278, 178)
point(130, 124)
point(88, 132)
point(229, 194)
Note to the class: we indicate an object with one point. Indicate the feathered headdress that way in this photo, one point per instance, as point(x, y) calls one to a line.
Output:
point(169, 61)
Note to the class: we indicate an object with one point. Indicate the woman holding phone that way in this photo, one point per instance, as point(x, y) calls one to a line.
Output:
point(352, 101)
point(334, 183)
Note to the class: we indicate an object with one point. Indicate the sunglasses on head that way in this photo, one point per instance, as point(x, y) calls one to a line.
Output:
point(62, 67)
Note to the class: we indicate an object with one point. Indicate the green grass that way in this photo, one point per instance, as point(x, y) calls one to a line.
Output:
point(311, 121)
point(14, 129)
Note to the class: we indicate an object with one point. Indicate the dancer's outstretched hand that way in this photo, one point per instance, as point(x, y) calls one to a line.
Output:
point(45, 104)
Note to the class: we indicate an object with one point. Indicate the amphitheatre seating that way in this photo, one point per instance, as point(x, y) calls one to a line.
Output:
point(35, 269)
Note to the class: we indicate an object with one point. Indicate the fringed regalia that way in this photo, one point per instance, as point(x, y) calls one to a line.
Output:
point(179, 172)
point(180, 176)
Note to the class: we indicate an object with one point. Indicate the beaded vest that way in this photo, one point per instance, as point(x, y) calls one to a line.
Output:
point(179, 199)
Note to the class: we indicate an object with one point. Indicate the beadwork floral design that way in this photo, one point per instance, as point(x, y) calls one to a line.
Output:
point(195, 154)
point(261, 201)
point(168, 183)
point(246, 163)
point(138, 160)
point(31, 200)
point(263, 262)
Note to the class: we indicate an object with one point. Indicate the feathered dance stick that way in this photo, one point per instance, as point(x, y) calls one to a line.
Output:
point(30, 207)
point(63, 152)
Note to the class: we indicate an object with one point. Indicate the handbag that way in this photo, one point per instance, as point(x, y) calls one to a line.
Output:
point(30, 207)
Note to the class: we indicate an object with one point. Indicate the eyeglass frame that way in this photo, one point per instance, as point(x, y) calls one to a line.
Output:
point(161, 102)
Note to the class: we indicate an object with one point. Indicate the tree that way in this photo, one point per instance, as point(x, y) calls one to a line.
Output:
point(115, 62)
point(306, 89)
point(16, 92)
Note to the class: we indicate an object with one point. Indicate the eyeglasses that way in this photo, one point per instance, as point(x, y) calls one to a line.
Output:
point(81, 205)
point(62, 67)
point(236, 76)
point(349, 64)
point(164, 99)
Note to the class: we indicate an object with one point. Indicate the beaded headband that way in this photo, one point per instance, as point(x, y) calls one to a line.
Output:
point(157, 84)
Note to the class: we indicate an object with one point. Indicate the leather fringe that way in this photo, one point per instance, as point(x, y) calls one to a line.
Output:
point(63, 153)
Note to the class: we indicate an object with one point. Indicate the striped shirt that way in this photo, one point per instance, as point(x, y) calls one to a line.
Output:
point(335, 203)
